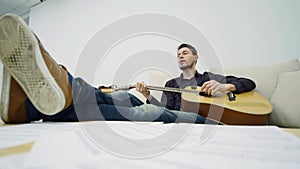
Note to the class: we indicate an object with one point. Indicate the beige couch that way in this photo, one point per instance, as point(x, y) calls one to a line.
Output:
point(279, 83)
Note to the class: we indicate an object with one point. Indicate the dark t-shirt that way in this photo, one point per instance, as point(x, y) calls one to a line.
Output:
point(172, 100)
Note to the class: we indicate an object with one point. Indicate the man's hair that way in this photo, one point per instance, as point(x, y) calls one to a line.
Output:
point(184, 45)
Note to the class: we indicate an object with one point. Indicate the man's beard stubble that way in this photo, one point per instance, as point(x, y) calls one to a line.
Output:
point(187, 66)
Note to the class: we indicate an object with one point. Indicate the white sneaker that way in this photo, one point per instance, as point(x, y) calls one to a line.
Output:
point(21, 56)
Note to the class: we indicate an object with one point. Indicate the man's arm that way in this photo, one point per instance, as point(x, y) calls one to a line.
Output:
point(242, 84)
point(219, 83)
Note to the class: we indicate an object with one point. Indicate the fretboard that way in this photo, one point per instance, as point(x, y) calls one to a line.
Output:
point(166, 89)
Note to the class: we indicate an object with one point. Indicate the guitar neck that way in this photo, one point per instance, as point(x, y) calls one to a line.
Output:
point(157, 88)
point(170, 89)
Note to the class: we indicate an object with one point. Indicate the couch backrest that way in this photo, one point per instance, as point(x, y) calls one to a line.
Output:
point(266, 76)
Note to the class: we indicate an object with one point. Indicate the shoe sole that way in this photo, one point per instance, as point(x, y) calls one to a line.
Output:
point(21, 56)
point(5, 95)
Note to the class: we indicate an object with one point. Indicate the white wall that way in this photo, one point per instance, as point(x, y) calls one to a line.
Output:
point(100, 40)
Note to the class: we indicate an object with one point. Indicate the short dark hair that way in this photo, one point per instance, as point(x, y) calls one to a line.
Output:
point(184, 45)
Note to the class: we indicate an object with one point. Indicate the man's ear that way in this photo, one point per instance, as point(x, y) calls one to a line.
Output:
point(196, 57)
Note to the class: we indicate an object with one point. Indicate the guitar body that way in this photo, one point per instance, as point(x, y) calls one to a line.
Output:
point(249, 108)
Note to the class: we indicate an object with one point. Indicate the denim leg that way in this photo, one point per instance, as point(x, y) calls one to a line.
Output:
point(91, 104)
point(149, 113)
point(86, 99)
point(119, 98)
point(104, 106)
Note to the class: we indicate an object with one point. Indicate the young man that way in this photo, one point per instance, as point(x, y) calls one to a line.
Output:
point(35, 87)
point(211, 83)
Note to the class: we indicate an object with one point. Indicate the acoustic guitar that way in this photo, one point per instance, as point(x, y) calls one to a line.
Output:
point(249, 108)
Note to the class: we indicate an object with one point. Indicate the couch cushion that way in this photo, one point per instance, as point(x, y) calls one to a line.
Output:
point(285, 100)
point(266, 76)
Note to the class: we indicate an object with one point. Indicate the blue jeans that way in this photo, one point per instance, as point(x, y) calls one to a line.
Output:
point(91, 104)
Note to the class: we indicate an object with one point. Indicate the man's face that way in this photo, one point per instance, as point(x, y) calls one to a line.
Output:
point(186, 59)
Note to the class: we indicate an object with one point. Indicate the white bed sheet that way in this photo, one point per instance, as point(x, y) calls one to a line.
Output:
point(153, 145)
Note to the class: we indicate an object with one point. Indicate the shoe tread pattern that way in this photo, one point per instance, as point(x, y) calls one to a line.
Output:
point(24, 61)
